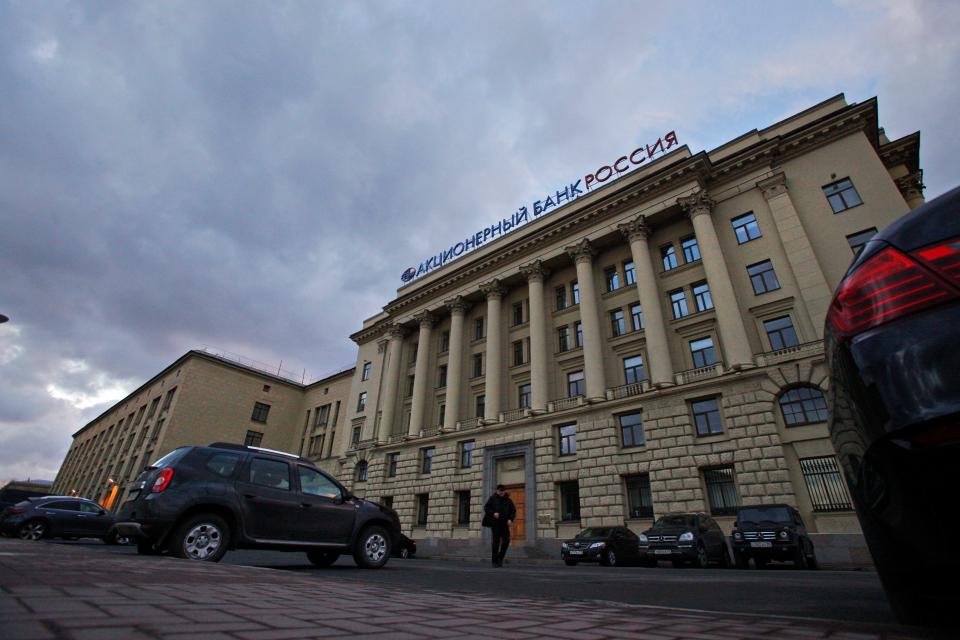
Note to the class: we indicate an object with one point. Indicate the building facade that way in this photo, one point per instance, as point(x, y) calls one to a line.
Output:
point(653, 346)
point(199, 399)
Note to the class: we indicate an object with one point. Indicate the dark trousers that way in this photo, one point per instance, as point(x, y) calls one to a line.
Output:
point(501, 541)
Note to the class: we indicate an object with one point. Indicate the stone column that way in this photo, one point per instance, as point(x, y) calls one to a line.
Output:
point(492, 404)
point(536, 274)
point(736, 347)
point(391, 378)
point(582, 254)
point(812, 284)
point(421, 379)
point(458, 306)
point(659, 365)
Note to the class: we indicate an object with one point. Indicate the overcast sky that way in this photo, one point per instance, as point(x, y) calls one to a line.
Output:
point(254, 177)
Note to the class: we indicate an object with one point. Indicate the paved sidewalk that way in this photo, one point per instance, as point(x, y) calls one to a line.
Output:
point(58, 591)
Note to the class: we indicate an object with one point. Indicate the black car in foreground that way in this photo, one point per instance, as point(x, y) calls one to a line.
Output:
point(405, 547)
point(892, 341)
point(198, 502)
point(609, 546)
point(685, 539)
point(771, 532)
point(59, 517)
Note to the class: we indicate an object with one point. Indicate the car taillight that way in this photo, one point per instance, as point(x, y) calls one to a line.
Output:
point(162, 481)
point(888, 286)
point(944, 258)
point(15, 510)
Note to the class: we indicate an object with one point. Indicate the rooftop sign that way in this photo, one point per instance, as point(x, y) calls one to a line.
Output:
point(570, 192)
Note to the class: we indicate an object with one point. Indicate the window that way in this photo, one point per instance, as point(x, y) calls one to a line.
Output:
point(365, 373)
point(576, 384)
point(631, 429)
point(442, 376)
point(763, 277)
point(167, 399)
point(575, 292)
point(569, 500)
point(561, 297)
point(636, 317)
point(668, 254)
point(478, 328)
point(517, 313)
point(426, 459)
point(706, 415)
point(414, 349)
point(393, 460)
point(466, 453)
point(444, 342)
point(563, 338)
point(781, 333)
point(140, 415)
point(223, 464)
point(703, 352)
point(617, 323)
point(423, 507)
point(842, 195)
point(153, 407)
point(860, 238)
point(568, 439)
point(270, 473)
point(701, 293)
point(362, 401)
point(630, 272)
point(387, 501)
point(355, 436)
point(314, 483)
point(477, 365)
point(721, 491)
point(612, 278)
point(578, 334)
point(639, 500)
point(678, 301)
point(322, 414)
point(633, 369)
point(518, 352)
point(316, 445)
point(441, 410)
point(480, 406)
point(524, 399)
point(746, 228)
point(410, 382)
point(691, 252)
point(63, 506)
point(825, 484)
point(360, 474)
point(463, 508)
point(804, 405)
point(253, 439)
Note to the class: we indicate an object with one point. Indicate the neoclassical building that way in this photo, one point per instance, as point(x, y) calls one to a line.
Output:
point(653, 346)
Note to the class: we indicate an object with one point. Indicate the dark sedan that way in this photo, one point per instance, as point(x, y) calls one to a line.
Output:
point(609, 546)
point(893, 346)
point(405, 547)
point(59, 517)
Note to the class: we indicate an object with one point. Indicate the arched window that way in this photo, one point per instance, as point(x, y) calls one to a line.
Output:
point(361, 473)
point(803, 405)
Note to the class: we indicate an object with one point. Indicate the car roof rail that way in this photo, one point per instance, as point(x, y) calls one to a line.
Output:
point(245, 447)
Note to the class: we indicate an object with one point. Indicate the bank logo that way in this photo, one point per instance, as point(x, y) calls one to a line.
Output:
point(409, 274)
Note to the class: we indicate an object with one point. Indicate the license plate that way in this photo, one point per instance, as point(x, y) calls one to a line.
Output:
point(662, 552)
point(761, 545)
point(575, 552)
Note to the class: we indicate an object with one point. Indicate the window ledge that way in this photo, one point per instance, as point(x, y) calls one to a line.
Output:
point(687, 266)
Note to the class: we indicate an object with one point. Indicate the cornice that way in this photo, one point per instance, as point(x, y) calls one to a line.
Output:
point(905, 150)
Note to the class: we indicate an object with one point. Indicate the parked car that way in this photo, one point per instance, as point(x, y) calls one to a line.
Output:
point(11, 495)
point(198, 502)
point(684, 538)
point(59, 517)
point(771, 532)
point(609, 546)
point(891, 341)
point(405, 547)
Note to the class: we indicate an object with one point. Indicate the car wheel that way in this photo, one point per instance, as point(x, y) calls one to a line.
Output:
point(800, 559)
point(322, 558)
point(115, 539)
point(202, 537)
point(812, 563)
point(724, 558)
point(33, 530)
point(570, 563)
point(373, 548)
point(609, 559)
point(742, 562)
point(702, 561)
point(404, 553)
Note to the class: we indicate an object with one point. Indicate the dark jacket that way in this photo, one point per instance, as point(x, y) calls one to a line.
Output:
point(503, 506)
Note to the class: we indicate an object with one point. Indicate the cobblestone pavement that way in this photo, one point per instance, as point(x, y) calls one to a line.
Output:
point(54, 591)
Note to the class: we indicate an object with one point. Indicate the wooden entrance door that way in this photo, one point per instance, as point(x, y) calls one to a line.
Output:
point(518, 530)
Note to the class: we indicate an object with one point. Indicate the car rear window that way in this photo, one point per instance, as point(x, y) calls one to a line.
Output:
point(223, 464)
point(64, 505)
point(170, 458)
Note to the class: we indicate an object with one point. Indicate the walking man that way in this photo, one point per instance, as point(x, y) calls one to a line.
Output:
point(499, 514)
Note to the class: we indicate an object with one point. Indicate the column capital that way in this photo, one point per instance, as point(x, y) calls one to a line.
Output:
point(493, 289)
point(911, 185)
point(636, 229)
point(382, 345)
point(457, 305)
point(773, 186)
point(535, 271)
point(424, 318)
point(696, 204)
point(395, 331)
point(583, 251)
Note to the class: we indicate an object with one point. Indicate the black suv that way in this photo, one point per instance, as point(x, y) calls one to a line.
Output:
point(198, 502)
point(771, 532)
point(685, 538)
